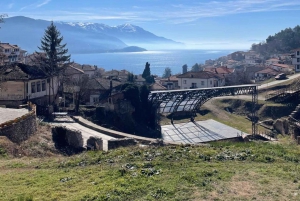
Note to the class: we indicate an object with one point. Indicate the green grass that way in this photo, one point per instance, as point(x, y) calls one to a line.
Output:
point(216, 172)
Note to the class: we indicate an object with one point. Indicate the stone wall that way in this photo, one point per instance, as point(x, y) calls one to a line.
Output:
point(65, 137)
point(123, 142)
point(21, 128)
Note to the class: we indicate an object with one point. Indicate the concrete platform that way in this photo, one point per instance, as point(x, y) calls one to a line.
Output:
point(199, 132)
point(86, 132)
point(7, 114)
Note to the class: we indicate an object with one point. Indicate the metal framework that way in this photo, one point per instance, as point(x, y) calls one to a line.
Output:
point(191, 100)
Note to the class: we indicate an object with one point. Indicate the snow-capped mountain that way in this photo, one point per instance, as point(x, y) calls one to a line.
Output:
point(129, 33)
point(80, 37)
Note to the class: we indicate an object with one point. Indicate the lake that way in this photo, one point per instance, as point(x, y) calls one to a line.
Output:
point(135, 61)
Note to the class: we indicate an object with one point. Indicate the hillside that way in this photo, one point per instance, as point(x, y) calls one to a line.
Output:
point(220, 171)
point(281, 42)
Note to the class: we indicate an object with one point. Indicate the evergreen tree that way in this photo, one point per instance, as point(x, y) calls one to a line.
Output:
point(184, 68)
point(53, 58)
point(130, 77)
point(146, 72)
point(195, 67)
point(167, 72)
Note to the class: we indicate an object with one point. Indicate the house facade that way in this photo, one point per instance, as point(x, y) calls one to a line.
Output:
point(170, 83)
point(201, 79)
point(11, 53)
point(296, 59)
point(21, 83)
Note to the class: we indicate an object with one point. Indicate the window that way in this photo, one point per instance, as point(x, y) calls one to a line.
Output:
point(298, 52)
point(210, 82)
point(184, 81)
point(202, 82)
point(298, 60)
point(298, 67)
point(43, 85)
point(38, 86)
point(194, 85)
point(33, 87)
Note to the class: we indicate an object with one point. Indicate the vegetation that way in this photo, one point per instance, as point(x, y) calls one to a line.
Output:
point(281, 42)
point(167, 72)
point(147, 74)
point(196, 67)
point(184, 68)
point(53, 59)
point(220, 171)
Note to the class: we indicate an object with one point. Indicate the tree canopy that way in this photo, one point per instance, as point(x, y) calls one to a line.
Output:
point(147, 74)
point(54, 56)
point(195, 67)
point(281, 42)
point(184, 68)
point(167, 72)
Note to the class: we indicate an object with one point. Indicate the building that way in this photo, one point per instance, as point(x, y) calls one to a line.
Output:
point(281, 67)
point(266, 73)
point(157, 87)
point(20, 83)
point(223, 70)
point(296, 59)
point(100, 89)
point(11, 53)
point(170, 83)
point(272, 61)
point(200, 79)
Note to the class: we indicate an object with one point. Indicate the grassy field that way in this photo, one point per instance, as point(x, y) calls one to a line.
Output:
point(219, 171)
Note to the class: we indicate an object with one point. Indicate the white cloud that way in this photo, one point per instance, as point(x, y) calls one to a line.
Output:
point(172, 14)
point(43, 3)
point(35, 5)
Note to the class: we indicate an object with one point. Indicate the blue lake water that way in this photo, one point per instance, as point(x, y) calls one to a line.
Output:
point(135, 61)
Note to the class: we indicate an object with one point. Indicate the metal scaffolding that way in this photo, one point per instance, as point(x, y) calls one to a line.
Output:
point(190, 100)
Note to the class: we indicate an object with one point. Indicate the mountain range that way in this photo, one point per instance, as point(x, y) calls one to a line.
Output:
point(81, 37)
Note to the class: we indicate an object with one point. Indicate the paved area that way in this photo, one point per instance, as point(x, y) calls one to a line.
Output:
point(7, 114)
point(86, 132)
point(198, 132)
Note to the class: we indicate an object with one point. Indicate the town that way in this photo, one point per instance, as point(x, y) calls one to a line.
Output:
point(111, 134)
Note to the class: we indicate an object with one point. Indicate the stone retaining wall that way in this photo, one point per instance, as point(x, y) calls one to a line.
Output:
point(21, 128)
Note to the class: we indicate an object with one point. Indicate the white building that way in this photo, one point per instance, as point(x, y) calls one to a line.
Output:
point(12, 53)
point(22, 83)
point(296, 60)
point(200, 79)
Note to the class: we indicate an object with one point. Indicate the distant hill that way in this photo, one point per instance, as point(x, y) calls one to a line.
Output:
point(281, 42)
point(80, 37)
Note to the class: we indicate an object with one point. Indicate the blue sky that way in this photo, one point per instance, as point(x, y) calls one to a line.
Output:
point(204, 24)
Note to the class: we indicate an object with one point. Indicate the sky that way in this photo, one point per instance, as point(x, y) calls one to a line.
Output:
point(200, 24)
